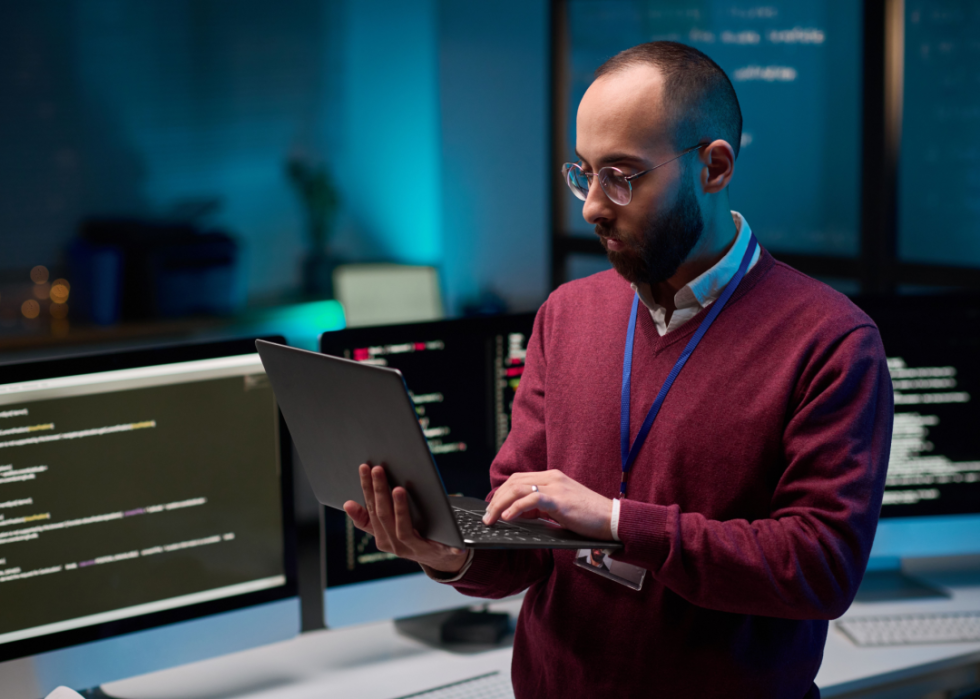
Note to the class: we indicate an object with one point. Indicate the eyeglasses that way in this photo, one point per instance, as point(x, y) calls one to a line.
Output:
point(616, 185)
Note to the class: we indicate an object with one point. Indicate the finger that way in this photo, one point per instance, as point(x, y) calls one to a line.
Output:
point(532, 514)
point(359, 516)
point(491, 514)
point(502, 499)
point(383, 507)
point(498, 503)
point(534, 501)
point(515, 490)
point(404, 531)
point(367, 487)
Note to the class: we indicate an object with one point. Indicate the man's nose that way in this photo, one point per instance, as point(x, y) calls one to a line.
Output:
point(597, 206)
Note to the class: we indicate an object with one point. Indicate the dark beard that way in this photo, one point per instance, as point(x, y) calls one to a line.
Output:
point(665, 241)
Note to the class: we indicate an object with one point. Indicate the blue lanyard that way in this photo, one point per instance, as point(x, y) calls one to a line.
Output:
point(629, 453)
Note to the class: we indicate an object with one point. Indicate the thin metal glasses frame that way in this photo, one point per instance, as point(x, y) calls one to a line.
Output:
point(567, 169)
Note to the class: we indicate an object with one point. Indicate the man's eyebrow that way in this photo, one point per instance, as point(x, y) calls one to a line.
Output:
point(614, 158)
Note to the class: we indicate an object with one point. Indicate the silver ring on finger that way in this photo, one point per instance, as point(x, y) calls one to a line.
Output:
point(534, 489)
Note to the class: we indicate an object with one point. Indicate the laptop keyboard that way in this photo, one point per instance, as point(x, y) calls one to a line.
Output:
point(474, 531)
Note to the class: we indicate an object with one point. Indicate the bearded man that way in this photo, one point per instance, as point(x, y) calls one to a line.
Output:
point(725, 417)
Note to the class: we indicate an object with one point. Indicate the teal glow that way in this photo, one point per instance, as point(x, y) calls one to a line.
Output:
point(495, 171)
point(301, 324)
point(392, 147)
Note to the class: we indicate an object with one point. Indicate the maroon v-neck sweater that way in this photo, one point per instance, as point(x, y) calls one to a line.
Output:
point(753, 503)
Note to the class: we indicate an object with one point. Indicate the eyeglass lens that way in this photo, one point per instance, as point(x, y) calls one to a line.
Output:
point(613, 183)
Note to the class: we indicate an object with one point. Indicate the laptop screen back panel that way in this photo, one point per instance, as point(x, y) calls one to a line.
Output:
point(342, 414)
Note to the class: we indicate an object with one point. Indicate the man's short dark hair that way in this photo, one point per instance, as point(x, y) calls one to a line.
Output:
point(698, 96)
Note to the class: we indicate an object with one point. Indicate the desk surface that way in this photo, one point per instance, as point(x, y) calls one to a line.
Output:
point(372, 661)
point(846, 668)
point(375, 662)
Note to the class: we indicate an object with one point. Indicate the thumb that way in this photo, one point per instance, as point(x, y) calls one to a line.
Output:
point(359, 516)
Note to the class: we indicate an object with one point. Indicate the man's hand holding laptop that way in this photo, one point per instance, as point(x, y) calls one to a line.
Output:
point(549, 494)
point(387, 517)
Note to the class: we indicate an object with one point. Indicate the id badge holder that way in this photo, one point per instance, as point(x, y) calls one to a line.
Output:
point(601, 563)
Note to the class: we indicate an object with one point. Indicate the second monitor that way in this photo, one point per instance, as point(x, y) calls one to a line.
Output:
point(463, 375)
point(145, 514)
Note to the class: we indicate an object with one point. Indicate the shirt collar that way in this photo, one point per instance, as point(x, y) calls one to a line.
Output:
point(705, 288)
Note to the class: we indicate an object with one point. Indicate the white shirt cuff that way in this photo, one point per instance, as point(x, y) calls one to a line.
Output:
point(439, 576)
point(614, 520)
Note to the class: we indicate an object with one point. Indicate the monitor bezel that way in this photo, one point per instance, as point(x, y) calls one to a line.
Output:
point(130, 359)
point(334, 340)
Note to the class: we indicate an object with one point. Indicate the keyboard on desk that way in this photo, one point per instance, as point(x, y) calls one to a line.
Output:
point(911, 629)
point(492, 685)
point(474, 531)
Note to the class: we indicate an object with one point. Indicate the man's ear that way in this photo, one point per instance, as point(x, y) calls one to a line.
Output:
point(718, 164)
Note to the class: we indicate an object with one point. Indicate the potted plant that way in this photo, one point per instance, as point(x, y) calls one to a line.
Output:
point(319, 198)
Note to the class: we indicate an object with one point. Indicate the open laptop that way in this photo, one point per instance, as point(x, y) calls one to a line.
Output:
point(343, 413)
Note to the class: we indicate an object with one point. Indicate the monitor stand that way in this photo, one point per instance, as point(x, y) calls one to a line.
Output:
point(892, 585)
point(96, 693)
point(458, 629)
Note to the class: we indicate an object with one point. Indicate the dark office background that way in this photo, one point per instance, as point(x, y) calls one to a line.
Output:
point(441, 124)
point(430, 117)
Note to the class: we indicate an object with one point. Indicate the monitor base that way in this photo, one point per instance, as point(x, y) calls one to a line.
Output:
point(894, 586)
point(457, 629)
point(97, 693)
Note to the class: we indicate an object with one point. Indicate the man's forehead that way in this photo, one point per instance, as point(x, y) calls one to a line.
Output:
point(622, 110)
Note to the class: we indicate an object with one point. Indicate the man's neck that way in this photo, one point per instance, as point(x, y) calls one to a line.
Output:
point(717, 239)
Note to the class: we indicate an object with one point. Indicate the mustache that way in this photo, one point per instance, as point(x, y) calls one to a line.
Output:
point(605, 231)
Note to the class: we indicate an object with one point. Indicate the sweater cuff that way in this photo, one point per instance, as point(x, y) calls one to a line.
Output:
point(443, 577)
point(642, 528)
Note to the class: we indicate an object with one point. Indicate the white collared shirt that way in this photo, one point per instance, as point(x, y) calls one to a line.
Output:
point(704, 289)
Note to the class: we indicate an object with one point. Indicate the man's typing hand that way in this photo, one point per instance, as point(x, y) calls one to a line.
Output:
point(387, 517)
point(564, 500)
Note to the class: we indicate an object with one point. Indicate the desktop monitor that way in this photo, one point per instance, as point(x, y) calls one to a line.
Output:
point(145, 513)
point(932, 492)
point(462, 375)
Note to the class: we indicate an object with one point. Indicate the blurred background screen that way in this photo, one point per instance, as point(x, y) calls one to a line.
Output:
point(796, 67)
point(939, 187)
